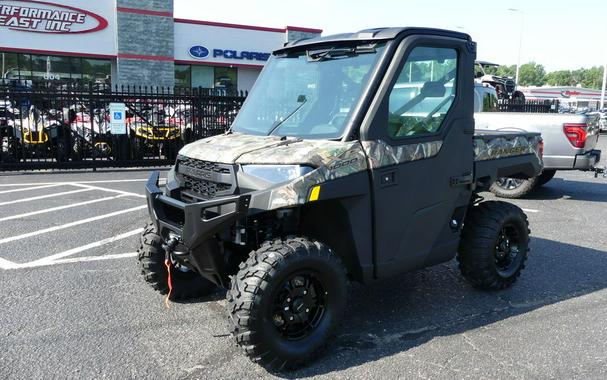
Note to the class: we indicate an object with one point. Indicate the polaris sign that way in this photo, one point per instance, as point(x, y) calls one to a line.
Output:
point(201, 52)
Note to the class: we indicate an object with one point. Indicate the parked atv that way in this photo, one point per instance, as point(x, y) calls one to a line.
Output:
point(504, 86)
point(325, 177)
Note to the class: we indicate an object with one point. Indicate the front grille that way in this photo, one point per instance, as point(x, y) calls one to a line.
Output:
point(204, 188)
point(202, 180)
point(204, 165)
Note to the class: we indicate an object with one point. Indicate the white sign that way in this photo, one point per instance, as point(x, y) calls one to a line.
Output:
point(195, 42)
point(117, 119)
point(68, 26)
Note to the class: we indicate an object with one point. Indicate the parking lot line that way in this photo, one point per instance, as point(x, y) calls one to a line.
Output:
point(70, 182)
point(44, 196)
point(530, 210)
point(29, 188)
point(79, 184)
point(81, 259)
point(71, 224)
point(46, 210)
point(73, 251)
point(5, 264)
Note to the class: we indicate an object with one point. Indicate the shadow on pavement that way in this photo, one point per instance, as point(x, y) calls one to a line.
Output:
point(396, 315)
point(559, 188)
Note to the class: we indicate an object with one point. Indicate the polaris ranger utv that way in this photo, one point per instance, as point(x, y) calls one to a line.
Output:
point(353, 158)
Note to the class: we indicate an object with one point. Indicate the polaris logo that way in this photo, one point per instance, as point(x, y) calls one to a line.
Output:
point(199, 52)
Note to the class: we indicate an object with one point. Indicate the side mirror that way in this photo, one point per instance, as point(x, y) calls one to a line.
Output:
point(433, 90)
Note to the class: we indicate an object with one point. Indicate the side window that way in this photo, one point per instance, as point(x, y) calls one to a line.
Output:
point(423, 92)
point(490, 102)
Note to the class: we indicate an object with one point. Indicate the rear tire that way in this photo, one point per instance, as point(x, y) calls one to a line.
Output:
point(186, 285)
point(286, 301)
point(545, 177)
point(513, 188)
point(494, 245)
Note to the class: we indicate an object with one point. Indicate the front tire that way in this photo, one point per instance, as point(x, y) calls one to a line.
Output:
point(494, 245)
point(513, 188)
point(186, 284)
point(286, 301)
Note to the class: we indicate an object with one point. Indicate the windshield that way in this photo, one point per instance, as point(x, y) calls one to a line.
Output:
point(308, 94)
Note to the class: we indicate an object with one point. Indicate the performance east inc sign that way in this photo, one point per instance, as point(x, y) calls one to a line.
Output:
point(46, 17)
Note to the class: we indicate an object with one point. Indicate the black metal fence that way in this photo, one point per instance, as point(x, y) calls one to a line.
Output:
point(69, 127)
point(529, 106)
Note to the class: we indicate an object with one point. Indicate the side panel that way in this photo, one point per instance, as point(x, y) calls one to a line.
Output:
point(415, 198)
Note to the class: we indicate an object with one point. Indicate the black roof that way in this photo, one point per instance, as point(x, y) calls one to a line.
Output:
point(375, 34)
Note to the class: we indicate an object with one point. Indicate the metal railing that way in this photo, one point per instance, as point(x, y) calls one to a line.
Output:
point(529, 106)
point(69, 127)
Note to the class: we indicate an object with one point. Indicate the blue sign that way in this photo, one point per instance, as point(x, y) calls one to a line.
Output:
point(199, 52)
point(117, 115)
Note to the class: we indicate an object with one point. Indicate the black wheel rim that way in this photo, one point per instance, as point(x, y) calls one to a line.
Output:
point(299, 305)
point(508, 250)
point(509, 183)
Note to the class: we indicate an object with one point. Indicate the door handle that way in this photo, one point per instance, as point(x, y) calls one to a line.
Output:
point(387, 178)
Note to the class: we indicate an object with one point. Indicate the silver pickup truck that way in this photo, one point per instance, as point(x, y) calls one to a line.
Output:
point(569, 140)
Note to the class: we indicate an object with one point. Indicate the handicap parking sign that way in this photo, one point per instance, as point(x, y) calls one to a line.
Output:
point(117, 122)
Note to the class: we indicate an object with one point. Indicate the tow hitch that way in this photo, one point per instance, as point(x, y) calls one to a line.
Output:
point(602, 171)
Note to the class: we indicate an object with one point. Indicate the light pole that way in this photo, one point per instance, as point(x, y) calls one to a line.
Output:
point(602, 106)
point(520, 42)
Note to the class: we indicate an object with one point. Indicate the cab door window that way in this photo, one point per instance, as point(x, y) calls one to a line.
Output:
point(423, 93)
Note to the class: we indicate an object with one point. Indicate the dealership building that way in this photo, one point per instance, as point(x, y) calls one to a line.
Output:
point(130, 42)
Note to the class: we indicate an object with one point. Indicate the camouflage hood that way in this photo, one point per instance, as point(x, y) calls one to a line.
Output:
point(250, 149)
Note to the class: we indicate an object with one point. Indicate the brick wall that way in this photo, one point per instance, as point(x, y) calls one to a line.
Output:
point(145, 44)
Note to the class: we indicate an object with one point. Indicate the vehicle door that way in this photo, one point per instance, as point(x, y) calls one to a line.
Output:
point(418, 135)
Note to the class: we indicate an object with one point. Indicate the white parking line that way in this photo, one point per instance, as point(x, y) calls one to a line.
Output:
point(71, 182)
point(85, 258)
point(46, 210)
point(71, 224)
point(28, 188)
point(43, 197)
point(5, 264)
point(530, 210)
point(83, 248)
point(108, 190)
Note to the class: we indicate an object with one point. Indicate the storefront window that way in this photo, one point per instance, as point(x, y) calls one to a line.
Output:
point(226, 78)
point(54, 71)
point(202, 76)
point(96, 71)
point(10, 66)
point(182, 76)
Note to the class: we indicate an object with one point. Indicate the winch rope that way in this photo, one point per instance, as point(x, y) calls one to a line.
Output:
point(167, 263)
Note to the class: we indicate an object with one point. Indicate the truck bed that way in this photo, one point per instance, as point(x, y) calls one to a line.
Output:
point(506, 154)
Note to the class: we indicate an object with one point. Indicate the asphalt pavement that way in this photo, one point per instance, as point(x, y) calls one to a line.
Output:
point(75, 306)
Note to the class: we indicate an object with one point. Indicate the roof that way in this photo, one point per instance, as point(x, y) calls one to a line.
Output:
point(375, 34)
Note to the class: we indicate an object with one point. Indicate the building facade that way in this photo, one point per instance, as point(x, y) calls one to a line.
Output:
point(130, 42)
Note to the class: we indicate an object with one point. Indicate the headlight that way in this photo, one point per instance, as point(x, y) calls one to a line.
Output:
point(276, 173)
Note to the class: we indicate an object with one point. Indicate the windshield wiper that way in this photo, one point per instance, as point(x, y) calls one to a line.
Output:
point(300, 99)
point(321, 55)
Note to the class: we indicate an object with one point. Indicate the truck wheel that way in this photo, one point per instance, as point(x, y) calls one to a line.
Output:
point(186, 284)
point(513, 187)
point(545, 177)
point(286, 301)
point(494, 245)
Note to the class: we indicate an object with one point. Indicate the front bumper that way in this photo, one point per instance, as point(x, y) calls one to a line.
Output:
point(195, 225)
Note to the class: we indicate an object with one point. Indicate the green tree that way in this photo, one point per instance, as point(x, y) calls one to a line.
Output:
point(592, 77)
point(560, 78)
point(532, 74)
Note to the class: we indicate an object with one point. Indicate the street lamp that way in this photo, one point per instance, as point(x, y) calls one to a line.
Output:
point(520, 42)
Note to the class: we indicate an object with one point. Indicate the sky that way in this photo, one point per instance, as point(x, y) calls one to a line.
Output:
point(561, 35)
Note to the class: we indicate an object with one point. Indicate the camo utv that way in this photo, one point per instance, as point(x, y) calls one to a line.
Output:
point(354, 158)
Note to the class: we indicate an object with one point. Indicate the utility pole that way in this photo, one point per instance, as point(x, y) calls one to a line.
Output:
point(602, 106)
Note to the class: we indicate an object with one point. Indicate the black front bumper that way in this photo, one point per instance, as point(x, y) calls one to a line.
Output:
point(196, 226)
